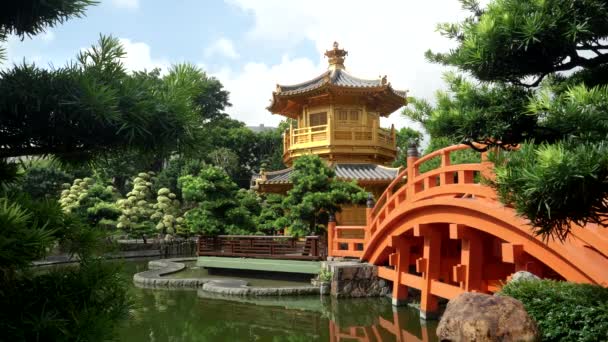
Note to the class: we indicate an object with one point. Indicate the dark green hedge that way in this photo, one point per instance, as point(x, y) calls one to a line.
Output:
point(564, 311)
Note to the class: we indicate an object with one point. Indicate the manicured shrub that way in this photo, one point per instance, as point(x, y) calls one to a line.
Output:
point(137, 209)
point(564, 311)
point(168, 213)
point(44, 181)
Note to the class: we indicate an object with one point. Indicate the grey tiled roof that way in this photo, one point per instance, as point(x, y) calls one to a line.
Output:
point(337, 77)
point(367, 172)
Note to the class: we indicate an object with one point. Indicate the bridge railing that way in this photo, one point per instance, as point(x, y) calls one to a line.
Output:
point(345, 241)
point(411, 185)
point(459, 180)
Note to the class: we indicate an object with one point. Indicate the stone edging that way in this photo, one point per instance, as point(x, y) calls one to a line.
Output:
point(154, 278)
point(220, 288)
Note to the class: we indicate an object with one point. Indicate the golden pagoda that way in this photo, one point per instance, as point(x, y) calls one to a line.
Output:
point(337, 117)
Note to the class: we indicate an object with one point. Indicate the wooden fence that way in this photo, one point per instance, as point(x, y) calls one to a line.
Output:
point(271, 247)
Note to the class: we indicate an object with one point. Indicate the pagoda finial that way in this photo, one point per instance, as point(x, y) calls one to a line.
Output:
point(336, 57)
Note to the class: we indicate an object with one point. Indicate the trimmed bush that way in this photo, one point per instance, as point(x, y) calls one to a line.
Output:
point(564, 311)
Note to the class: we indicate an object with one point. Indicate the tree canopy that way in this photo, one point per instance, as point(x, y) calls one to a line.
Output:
point(514, 92)
point(316, 194)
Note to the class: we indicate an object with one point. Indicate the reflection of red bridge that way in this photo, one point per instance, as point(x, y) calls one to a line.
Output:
point(443, 233)
point(393, 329)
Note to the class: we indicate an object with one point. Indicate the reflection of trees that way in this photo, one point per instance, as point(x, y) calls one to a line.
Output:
point(173, 315)
point(181, 316)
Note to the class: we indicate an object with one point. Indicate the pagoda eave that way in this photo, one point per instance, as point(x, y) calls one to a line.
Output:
point(287, 103)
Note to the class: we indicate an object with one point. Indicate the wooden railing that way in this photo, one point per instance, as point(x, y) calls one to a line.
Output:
point(345, 241)
point(310, 134)
point(326, 134)
point(272, 247)
point(411, 185)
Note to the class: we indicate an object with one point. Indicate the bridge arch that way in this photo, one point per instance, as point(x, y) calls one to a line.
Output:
point(443, 232)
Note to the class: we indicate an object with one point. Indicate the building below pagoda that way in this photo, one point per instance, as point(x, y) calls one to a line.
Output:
point(337, 117)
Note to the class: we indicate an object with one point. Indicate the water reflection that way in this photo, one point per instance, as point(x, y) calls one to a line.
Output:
point(185, 316)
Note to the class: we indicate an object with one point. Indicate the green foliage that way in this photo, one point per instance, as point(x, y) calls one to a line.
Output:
point(220, 140)
point(225, 159)
point(103, 214)
point(555, 186)
point(98, 107)
point(176, 167)
point(511, 46)
point(23, 237)
point(168, 213)
point(80, 303)
point(72, 196)
point(269, 148)
point(405, 137)
point(469, 113)
point(273, 216)
point(510, 40)
point(564, 311)
point(316, 194)
point(137, 209)
point(456, 157)
point(219, 206)
point(577, 113)
point(325, 275)
point(44, 181)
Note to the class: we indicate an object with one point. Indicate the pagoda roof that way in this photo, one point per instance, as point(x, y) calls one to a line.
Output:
point(288, 99)
point(338, 80)
point(344, 171)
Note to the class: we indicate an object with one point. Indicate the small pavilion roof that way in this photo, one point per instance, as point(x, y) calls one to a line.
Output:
point(344, 171)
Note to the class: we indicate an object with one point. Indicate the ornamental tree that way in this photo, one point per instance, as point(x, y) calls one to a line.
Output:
point(517, 49)
point(168, 213)
point(218, 206)
point(137, 209)
point(273, 216)
point(316, 194)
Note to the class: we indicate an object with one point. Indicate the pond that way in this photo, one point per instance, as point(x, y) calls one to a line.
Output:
point(185, 315)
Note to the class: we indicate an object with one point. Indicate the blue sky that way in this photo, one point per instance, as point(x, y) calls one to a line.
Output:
point(250, 45)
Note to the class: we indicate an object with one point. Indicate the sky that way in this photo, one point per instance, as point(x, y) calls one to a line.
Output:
point(251, 45)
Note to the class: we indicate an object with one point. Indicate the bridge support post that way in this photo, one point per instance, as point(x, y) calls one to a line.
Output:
point(429, 266)
point(469, 272)
point(369, 208)
point(400, 260)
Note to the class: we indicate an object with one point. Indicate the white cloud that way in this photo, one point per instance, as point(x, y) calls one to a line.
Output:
point(28, 49)
point(222, 47)
point(386, 37)
point(47, 36)
point(251, 88)
point(139, 57)
point(128, 4)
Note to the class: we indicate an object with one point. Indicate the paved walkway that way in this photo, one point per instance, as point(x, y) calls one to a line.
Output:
point(273, 265)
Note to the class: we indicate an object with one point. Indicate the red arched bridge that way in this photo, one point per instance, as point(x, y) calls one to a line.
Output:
point(443, 232)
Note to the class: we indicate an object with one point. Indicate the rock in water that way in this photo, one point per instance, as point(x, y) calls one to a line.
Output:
point(480, 317)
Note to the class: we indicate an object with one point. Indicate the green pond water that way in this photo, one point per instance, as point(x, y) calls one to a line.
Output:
point(183, 315)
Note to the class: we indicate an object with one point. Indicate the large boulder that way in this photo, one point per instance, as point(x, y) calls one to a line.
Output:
point(480, 317)
point(524, 275)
